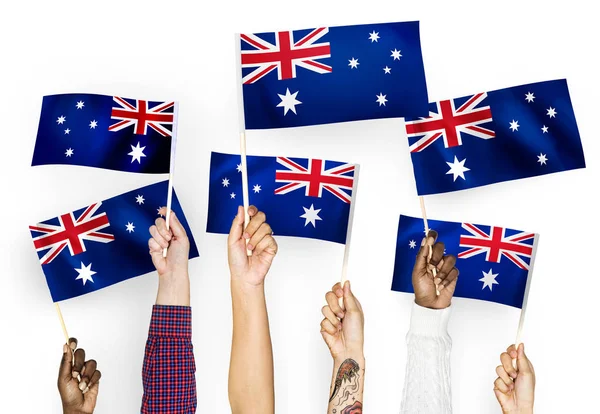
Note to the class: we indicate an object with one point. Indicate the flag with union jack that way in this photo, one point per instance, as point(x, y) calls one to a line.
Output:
point(490, 137)
point(495, 263)
point(301, 197)
point(102, 131)
point(332, 74)
point(102, 244)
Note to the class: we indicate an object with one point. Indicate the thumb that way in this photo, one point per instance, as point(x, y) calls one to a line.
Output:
point(350, 302)
point(237, 227)
point(64, 373)
point(523, 363)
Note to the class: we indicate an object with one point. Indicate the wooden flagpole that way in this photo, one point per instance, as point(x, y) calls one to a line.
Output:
point(424, 213)
point(171, 168)
point(62, 322)
point(526, 296)
point(349, 231)
point(242, 129)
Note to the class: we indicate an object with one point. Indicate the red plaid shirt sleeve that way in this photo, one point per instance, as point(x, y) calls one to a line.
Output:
point(169, 369)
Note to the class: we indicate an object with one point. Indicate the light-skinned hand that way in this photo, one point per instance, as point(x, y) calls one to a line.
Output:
point(423, 280)
point(172, 270)
point(515, 388)
point(250, 270)
point(343, 326)
point(77, 396)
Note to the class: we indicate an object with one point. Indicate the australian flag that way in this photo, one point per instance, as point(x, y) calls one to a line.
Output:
point(332, 74)
point(301, 197)
point(102, 244)
point(101, 131)
point(503, 135)
point(494, 262)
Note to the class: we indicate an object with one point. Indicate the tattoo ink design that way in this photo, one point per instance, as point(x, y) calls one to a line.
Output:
point(347, 371)
point(355, 408)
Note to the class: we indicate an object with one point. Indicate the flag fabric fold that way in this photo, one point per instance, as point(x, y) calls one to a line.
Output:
point(494, 262)
point(301, 197)
point(109, 132)
point(491, 137)
point(332, 74)
point(104, 243)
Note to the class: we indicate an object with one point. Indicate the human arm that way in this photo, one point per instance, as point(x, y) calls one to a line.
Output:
point(78, 380)
point(251, 382)
point(168, 373)
point(515, 387)
point(343, 331)
point(427, 380)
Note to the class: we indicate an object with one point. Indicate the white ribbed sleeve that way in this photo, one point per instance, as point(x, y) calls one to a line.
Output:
point(427, 380)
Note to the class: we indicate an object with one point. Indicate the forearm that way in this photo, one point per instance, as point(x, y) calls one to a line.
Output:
point(251, 384)
point(168, 374)
point(173, 290)
point(427, 380)
point(347, 384)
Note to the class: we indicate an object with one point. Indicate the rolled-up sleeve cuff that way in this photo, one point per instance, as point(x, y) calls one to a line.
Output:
point(171, 321)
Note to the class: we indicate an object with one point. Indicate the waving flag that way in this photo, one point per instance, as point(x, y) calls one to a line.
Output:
point(301, 197)
point(494, 262)
point(102, 244)
point(332, 74)
point(106, 132)
point(503, 135)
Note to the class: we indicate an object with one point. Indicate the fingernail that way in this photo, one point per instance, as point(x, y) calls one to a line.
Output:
point(437, 280)
point(513, 354)
point(75, 374)
point(513, 375)
point(86, 390)
point(246, 236)
point(82, 385)
point(339, 292)
point(440, 287)
point(65, 348)
point(250, 247)
point(340, 315)
point(423, 241)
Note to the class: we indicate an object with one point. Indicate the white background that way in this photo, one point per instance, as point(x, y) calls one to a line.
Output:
point(178, 51)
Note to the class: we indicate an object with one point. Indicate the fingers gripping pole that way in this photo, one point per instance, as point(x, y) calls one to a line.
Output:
point(424, 213)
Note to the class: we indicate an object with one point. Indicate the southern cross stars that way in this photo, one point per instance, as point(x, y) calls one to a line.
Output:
point(129, 227)
point(80, 105)
point(412, 244)
point(529, 97)
point(225, 182)
point(67, 131)
point(69, 152)
point(381, 99)
point(93, 124)
point(288, 101)
point(137, 153)
point(139, 199)
point(232, 195)
point(542, 159)
point(374, 37)
point(457, 168)
point(353, 63)
point(544, 129)
point(257, 188)
point(551, 112)
point(387, 70)
point(514, 125)
point(239, 168)
point(85, 273)
point(61, 120)
point(396, 54)
point(311, 216)
point(489, 279)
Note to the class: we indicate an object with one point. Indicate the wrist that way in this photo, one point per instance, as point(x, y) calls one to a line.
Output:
point(357, 356)
point(173, 289)
point(238, 283)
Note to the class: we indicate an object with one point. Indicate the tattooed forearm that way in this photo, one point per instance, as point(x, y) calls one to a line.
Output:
point(346, 394)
